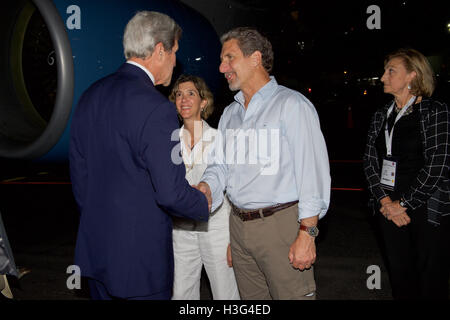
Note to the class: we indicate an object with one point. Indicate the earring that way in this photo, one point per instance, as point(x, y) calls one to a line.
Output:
point(409, 87)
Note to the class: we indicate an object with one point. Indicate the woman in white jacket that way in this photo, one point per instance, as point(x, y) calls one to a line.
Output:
point(197, 244)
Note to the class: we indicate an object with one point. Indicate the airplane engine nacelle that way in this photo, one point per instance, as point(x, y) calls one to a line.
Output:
point(51, 51)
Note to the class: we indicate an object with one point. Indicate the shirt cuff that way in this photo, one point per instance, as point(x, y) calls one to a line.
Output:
point(312, 208)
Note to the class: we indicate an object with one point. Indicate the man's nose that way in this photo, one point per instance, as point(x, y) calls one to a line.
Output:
point(223, 67)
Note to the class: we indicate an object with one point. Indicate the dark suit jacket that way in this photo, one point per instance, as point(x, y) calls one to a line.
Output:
point(126, 184)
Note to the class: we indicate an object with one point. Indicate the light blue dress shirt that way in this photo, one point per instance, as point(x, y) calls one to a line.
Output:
point(273, 152)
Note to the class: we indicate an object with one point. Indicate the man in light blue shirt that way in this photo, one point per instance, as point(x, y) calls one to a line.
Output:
point(272, 160)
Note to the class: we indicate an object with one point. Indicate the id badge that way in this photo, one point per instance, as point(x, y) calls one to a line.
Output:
point(388, 173)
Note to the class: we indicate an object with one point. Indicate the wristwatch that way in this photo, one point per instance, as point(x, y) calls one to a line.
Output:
point(402, 203)
point(312, 231)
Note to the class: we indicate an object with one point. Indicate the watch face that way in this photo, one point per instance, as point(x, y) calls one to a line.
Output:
point(313, 231)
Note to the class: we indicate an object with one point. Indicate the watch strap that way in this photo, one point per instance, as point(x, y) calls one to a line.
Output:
point(312, 231)
point(402, 203)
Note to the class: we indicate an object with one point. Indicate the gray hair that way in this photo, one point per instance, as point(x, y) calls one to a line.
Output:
point(249, 41)
point(145, 30)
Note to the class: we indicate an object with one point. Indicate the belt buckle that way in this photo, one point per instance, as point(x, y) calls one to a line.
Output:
point(261, 213)
point(247, 216)
point(240, 215)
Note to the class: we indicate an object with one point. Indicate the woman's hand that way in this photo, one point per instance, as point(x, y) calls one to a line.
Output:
point(383, 202)
point(392, 209)
point(401, 220)
point(394, 212)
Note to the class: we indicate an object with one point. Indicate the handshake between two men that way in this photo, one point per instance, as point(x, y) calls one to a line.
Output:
point(204, 188)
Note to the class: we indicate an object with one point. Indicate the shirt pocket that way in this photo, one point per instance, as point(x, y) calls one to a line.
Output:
point(269, 138)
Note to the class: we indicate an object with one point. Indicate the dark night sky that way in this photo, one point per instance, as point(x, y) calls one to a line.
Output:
point(316, 41)
point(335, 33)
point(310, 37)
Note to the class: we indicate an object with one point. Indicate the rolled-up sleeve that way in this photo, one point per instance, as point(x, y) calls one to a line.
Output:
point(310, 157)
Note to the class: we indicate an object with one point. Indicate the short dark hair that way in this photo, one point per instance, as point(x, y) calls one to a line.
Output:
point(249, 41)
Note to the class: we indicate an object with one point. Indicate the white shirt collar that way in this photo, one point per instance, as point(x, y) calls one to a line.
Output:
point(206, 127)
point(143, 68)
point(265, 91)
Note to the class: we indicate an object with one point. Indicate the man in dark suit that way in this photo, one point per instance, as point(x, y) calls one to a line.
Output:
point(125, 175)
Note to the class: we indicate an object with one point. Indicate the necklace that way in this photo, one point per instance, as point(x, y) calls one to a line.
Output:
point(409, 111)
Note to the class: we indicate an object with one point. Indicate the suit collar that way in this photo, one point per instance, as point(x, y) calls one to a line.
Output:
point(150, 75)
point(135, 71)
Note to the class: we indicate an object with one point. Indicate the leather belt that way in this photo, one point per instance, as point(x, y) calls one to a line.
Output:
point(247, 215)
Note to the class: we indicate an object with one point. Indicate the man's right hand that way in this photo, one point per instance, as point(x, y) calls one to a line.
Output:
point(204, 188)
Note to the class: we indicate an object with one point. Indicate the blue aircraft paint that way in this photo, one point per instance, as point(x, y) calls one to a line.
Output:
point(97, 46)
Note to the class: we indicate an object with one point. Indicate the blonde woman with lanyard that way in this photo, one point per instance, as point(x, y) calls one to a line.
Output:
point(406, 165)
point(198, 244)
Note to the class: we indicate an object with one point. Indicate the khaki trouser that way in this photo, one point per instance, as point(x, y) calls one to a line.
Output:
point(261, 265)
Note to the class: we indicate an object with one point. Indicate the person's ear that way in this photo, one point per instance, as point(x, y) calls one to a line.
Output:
point(158, 52)
point(203, 104)
point(412, 76)
point(256, 58)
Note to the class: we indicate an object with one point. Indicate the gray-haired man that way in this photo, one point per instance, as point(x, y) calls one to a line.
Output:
point(123, 176)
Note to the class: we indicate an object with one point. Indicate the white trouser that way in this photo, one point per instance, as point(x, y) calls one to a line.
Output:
point(192, 249)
